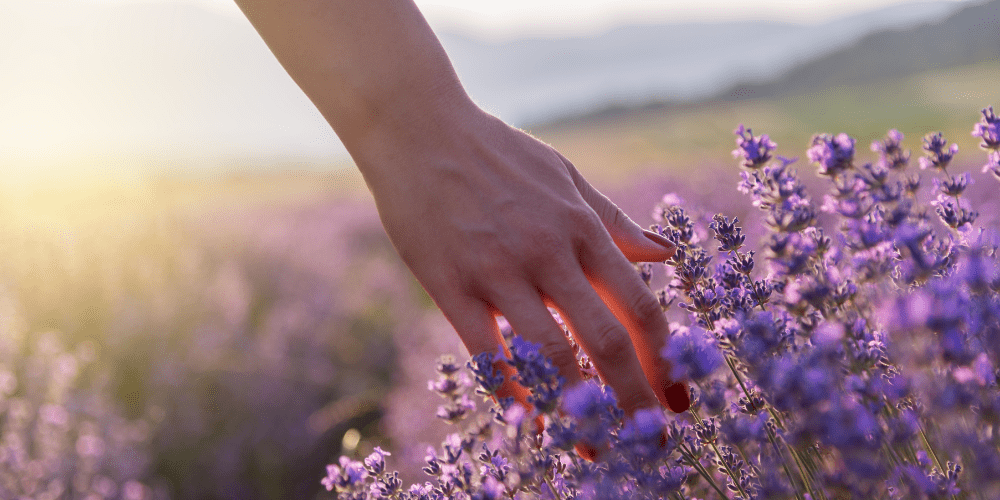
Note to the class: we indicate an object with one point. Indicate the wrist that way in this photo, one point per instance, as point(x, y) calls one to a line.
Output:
point(408, 132)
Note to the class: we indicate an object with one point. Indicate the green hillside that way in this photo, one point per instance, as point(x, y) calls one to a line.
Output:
point(678, 138)
point(969, 36)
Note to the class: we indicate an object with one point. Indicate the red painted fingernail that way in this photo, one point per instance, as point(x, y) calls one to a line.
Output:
point(677, 398)
point(586, 452)
point(539, 425)
point(659, 240)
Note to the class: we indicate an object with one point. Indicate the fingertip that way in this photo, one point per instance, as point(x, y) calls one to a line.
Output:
point(660, 240)
point(586, 452)
point(651, 247)
point(539, 425)
point(677, 397)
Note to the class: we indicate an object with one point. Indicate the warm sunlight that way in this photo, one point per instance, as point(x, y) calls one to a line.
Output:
point(725, 249)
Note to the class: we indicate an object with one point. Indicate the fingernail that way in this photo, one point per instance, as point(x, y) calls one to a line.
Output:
point(586, 452)
point(659, 240)
point(539, 424)
point(677, 398)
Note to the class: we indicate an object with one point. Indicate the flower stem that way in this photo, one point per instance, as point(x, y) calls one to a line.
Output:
point(701, 469)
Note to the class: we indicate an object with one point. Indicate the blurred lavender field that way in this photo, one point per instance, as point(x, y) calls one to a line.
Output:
point(855, 452)
point(233, 348)
point(209, 340)
point(179, 352)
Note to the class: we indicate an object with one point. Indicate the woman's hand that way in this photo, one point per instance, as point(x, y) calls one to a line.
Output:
point(490, 220)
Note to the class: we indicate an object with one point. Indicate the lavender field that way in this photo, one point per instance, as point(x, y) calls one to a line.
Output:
point(193, 352)
point(233, 339)
point(850, 352)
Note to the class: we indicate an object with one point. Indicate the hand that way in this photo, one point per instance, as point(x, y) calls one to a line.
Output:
point(489, 219)
point(492, 221)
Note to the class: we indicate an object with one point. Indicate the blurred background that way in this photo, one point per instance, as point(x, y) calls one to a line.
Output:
point(196, 297)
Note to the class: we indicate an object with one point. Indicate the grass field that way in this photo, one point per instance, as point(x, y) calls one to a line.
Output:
point(685, 139)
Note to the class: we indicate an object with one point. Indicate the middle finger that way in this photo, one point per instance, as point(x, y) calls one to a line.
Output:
point(602, 336)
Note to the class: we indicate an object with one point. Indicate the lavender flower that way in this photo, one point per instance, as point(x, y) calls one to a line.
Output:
point(988, 129)
point(833, 154)
point(344, 476)
point(488, 377)
point(953, 186)
point(753, 152)
point(693, 354)
point(936, 155)
point(993, 164)
point(891, 154)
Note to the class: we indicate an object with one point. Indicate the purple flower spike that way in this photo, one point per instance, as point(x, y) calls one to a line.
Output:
point(693, 354)
point(586, 400)
point(890, 151)
point(375, 463)
point(833, 154)
point(953, 185)
point(988, 129)
point(348, 473)
point(754, 152)
point(937, 155)
point(647, 424)
point(993, 164)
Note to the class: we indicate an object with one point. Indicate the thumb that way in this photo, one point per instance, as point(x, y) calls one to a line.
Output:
point(637, 244)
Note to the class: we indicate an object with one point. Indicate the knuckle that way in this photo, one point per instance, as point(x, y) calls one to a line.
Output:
point(477, 268)
point(612, 345)
point(544, 249)
point(487, 275)
point(491, 269)
point(645, 308)
point(614, 215)
point(545, 243)
point(588, 227)
point(559, 353)
point(584, 218)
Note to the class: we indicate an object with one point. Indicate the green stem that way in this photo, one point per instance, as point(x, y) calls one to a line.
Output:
point(732, 368)
point(774, 442)
point(701, 470)
point(927, 443)
point(777, 419)
point(732, 475)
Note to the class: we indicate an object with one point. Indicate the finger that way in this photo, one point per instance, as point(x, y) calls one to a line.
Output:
point(527, 314)
point(477, 327)
point(637, 244)
point(632, 303)
point(604, 339)
point(530, 318)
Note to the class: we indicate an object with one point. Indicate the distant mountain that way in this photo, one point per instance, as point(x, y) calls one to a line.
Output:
point(535, 80)
point(172, 80)
point(970, 35)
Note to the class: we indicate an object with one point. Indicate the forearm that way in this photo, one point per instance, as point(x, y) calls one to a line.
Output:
point(373, 68)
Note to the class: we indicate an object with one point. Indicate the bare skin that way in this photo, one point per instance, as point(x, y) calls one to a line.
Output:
point(489, 219)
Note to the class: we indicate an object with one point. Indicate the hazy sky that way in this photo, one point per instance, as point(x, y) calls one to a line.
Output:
point(507, 18)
